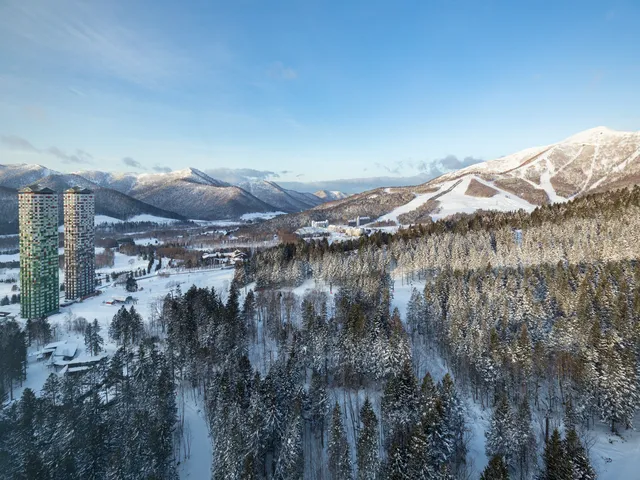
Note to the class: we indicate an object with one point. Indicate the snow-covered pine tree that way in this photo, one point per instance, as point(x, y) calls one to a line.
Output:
point(400, 406)
point(339, 457)
point(29, 461)
point(556, 463)
point(618, 382)
point(525, 449)
point(581, 468)
point(501, 434)
point(367, 446)
point(290, 463)
point(415, 314)
point(318, 404)
point(496, 469)
point(453, 427)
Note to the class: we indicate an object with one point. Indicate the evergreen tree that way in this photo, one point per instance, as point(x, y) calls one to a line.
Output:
point(92, 339)
point(400, 405)
point(367, 446)
point(496, 469)
point(132, 284)
point(13, 357)
point(30, 464)
point(319, 404)
point(525, 448)
point(581, 468)
point(290, 465)
point(453, 427)
point(339, 458)
point(556, 464)
point(501, 434)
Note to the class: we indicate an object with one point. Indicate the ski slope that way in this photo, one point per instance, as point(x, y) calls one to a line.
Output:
point(452, 199)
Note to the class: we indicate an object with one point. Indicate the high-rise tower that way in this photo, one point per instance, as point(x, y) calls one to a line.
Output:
point(39, 278)
point(79, 243)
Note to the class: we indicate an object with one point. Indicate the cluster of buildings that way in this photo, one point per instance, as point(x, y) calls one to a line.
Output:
point(225, 258)
point(38, 213)
point(320, 229)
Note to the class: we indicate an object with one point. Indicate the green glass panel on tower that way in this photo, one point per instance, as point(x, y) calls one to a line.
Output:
point(39, 277)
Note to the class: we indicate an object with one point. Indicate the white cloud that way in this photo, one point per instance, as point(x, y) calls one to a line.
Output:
point(280, 71)
point(88, 35)
point(130, 162)
point(19, 144)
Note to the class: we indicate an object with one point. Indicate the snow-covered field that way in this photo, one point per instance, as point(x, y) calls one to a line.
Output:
point(9, 257)
point(260, 216)
point(457, 201)
point(145, 217)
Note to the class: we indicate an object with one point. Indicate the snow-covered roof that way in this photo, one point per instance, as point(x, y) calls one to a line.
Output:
point(79, 361)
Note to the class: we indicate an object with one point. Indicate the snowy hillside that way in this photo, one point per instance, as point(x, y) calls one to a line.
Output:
point(330, 195)
point(109, 202)
point(591, 161)
point(188, 192)
point(594, 160)
point(284, 200)
point(197, 195)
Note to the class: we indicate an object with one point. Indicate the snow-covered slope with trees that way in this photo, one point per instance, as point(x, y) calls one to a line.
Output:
point(330, 195)
point(194, 194)
point(595, 160)
point(284, 200)
point(189, 192)
point(109, 202)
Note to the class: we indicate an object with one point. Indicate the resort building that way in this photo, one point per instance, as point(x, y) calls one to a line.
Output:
point(39, 278)
point(79, 243)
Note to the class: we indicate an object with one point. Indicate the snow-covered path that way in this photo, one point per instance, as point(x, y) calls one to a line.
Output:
point(196, 451)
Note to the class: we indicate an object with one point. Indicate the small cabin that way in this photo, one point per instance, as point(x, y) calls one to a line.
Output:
point(58, 351)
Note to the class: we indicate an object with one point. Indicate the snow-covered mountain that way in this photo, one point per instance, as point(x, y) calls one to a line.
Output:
point(330, 195)
point(19, 175)
point(284, 200)
point(189, 192)
point(109, 202)
point(194, 194)
point(591, 161)
point(594, 160)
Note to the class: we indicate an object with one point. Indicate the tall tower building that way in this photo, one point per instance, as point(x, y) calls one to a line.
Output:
point(39, 278)
point(79, 243)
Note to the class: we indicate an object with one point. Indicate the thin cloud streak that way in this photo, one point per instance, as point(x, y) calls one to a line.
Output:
point(85, 35)
point(16, 143)
point(280, 71)
point(130, 162)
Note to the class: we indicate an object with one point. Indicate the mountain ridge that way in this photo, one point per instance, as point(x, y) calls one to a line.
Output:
point(188, 193)
point(593, 160)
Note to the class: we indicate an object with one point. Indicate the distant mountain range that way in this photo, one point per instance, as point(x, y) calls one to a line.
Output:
point(591, 161)
point(183, 194)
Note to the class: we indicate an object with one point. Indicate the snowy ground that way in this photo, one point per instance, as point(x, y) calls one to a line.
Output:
point(9, 257)
point(613, 456)
point(154, 288)
point(137, 218)
point(260, 216)
point(196, 453)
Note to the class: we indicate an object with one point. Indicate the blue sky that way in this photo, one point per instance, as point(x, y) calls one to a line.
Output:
point(309, 90)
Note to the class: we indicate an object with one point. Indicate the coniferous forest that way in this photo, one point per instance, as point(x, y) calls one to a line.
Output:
point(532, 318)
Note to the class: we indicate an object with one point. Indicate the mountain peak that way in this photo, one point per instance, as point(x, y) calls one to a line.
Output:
point(594, 135)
